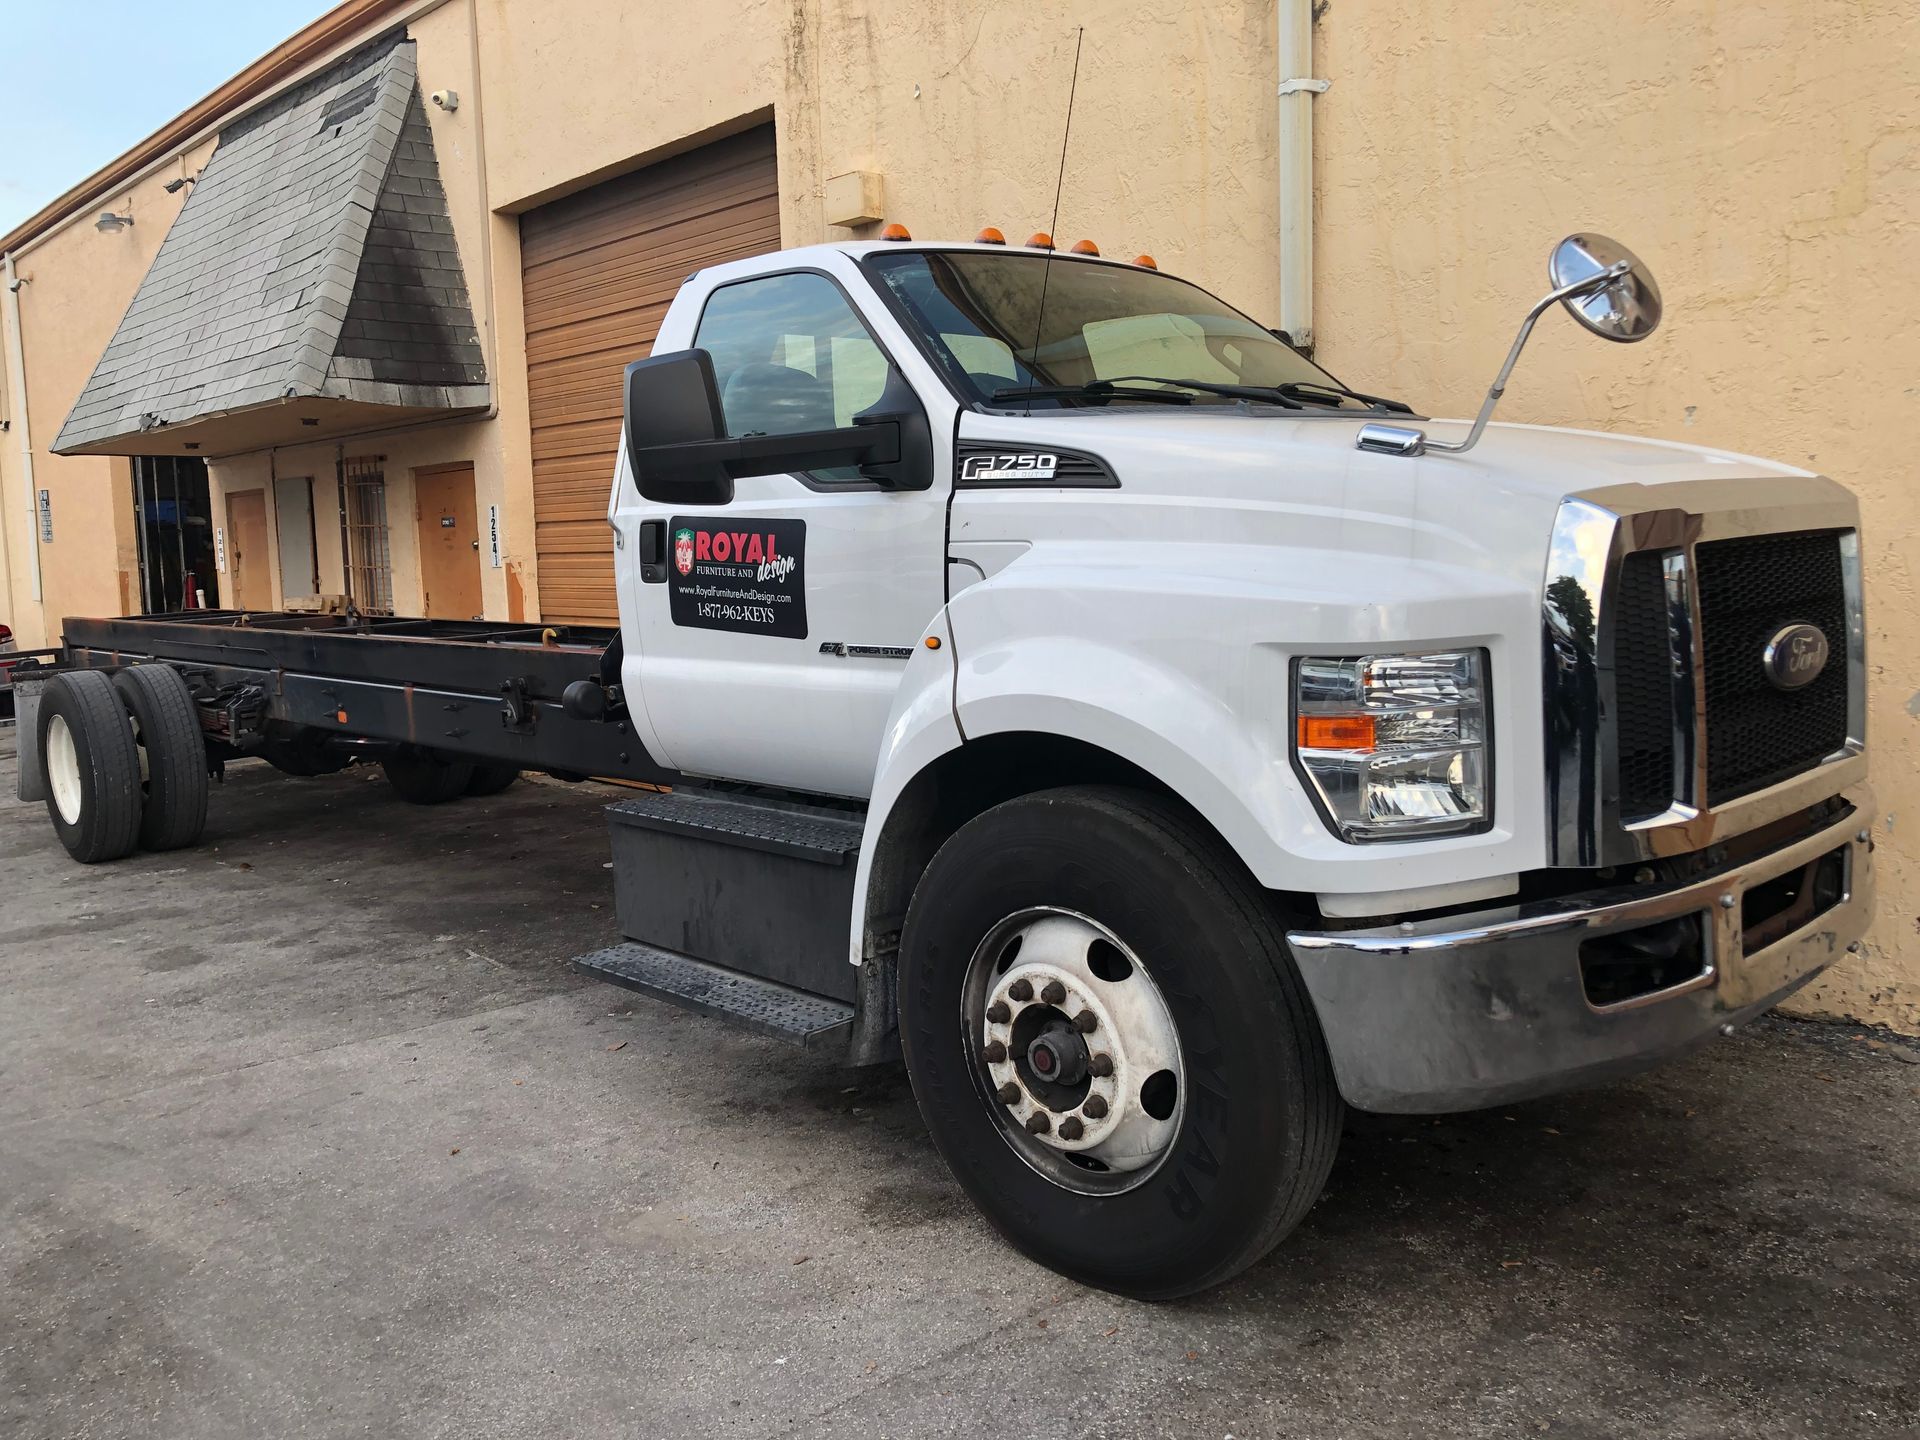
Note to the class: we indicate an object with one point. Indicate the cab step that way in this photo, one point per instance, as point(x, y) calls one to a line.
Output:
point(752, 886)
point(765, 1006)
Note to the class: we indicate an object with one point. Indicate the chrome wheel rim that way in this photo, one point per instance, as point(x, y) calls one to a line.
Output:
point(1073, 1050)
point(63, 770)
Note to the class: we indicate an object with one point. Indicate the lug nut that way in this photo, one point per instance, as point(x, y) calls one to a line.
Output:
point(1038, 1123)
point(999, 1013)
point(1096, 1107)
point(1054, 993)
point(1021, 990)
point(1086, 1022)
point(1101, 1064)
point(1009, 1094)
point(995, 1052)
point(1071, 1128)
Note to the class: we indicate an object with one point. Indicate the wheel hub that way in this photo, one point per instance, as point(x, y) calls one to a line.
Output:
point(1073, 1040)
point(1058, 1056)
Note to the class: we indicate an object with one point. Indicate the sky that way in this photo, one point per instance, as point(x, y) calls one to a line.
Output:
point(88, 79)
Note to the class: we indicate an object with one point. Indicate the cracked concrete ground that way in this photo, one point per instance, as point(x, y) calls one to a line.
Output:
point(311, 1131)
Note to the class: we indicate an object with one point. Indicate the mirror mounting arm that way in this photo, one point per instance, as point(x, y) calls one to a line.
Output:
point(1499, 387)
point(1406, 440)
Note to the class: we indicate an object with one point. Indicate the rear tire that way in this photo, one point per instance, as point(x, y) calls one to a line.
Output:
point(492, 779)
point(167, 727)
point(92, 767)
point(421, 778)
point(1205, 1181)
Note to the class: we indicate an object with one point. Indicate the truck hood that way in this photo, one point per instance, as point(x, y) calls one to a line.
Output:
point(1246, 477)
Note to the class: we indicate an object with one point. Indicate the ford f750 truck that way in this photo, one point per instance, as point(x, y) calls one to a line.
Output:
point(1052, 676)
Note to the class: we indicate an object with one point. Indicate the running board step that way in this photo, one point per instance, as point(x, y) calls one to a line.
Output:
point(799, 1018)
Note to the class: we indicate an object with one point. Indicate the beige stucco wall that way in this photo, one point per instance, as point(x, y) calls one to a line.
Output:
point(1760, 154)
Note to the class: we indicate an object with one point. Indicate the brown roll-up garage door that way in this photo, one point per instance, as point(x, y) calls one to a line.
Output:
point(600, 269)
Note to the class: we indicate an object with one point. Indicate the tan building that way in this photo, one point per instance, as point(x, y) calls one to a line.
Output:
point(353, 324)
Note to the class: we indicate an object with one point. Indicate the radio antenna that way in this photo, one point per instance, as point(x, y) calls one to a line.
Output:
point(1053, 225)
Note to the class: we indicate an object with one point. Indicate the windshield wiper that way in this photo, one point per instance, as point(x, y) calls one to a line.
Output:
point(1123, 387)
point(1316, 391)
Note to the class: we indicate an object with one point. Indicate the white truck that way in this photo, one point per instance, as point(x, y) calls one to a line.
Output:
point(1056, 678)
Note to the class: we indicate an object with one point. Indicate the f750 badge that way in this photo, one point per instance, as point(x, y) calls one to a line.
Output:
point(1033, 465)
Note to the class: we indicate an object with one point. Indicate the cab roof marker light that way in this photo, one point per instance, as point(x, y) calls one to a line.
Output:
point(895, 232)
point(990, 235)
point(1085, 247)
point(1040, 240)
point(1146, 262)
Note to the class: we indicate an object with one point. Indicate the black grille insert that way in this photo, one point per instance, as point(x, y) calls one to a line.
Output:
point(1749, 589)
point(1643, 687)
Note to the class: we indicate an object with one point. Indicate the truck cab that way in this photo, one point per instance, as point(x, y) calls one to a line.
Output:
point(1416, 764)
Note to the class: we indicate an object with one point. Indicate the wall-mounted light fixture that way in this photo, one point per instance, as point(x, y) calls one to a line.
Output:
point(110, 222)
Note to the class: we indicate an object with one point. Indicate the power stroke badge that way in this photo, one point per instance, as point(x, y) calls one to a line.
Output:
point(745, 575)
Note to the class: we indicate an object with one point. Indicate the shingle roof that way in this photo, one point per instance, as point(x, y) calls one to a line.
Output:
point(314, 256)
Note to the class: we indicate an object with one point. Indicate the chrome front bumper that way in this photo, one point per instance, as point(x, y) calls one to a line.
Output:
point(1464, 1011)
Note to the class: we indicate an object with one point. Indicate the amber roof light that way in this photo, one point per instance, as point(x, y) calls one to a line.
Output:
point(895, 232)
point(1085, 247)
point(990, 236)
point(1040, 240)
point(1145, 262)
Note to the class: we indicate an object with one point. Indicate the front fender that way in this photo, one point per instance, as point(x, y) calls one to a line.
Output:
point(920, 729)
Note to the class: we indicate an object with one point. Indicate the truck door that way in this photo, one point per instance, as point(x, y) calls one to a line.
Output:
point(766, 637)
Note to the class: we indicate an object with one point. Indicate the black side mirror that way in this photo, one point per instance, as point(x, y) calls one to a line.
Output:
point(680, 453)
point(673, 414)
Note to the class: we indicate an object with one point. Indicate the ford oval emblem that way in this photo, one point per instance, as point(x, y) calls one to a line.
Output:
point(1795, 656)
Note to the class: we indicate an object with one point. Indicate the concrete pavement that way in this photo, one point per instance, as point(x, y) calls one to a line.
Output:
point(311, 1132)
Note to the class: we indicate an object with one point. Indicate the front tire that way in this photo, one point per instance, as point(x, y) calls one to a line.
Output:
point(1112, 916)
point(92, 767)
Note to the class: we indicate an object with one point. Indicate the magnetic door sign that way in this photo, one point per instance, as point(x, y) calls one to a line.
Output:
point(747, 575)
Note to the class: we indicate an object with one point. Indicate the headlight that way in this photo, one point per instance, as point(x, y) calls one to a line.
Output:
point(1395, 746)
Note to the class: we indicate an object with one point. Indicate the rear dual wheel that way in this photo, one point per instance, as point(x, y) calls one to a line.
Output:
point(1110, 1043)
point(125, 761)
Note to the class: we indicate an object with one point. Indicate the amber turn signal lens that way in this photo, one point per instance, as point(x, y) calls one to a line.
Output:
point(895, 232)
point(990, 236)
point(1040, 240)
point(1145, 262)
point(1334, 732)
point(1085, 247)
point(933, 641)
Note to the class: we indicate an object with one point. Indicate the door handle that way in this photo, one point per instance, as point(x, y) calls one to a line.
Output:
point(653, 551)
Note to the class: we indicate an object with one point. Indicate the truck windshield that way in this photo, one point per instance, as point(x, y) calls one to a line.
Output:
point(978, 313)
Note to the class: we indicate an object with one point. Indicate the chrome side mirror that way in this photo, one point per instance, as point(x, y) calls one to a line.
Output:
point(1603, 285)
point(1625, 307)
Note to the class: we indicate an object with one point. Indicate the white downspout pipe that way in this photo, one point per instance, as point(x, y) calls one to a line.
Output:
point(1297, 89)
point(17, 377)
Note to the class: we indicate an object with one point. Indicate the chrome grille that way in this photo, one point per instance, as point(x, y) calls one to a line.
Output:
point(1663, 732)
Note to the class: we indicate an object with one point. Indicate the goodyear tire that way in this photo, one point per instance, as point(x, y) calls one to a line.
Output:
point(422, 778)
point(492, 779)
point(1101, 925)
point(166, 728)
point(92, 768)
